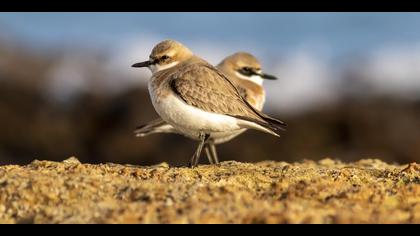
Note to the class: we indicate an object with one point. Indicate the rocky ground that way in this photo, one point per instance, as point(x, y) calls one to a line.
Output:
point(367, 191)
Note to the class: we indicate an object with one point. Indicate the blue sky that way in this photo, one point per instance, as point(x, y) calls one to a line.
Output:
point(343, 33)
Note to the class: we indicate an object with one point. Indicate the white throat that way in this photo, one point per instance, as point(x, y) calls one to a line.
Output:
point(156, 68)
point(253, 78)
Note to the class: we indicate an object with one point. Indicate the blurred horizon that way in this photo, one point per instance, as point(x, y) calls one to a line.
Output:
point(349, 83)
point(316, 47)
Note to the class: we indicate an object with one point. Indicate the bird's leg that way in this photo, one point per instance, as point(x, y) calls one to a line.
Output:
point(208, 154)
point(213, 152)
point(203, 138)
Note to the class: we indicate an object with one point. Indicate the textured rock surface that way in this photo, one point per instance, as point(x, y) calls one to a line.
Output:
point(267, 192)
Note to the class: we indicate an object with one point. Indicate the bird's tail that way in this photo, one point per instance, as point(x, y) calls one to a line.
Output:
point(267, 124)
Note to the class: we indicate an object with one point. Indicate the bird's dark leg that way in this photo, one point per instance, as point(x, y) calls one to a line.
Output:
point(213, 152)
point(208, 154)
point(196, 157)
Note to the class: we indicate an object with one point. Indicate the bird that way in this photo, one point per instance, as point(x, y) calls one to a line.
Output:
point(244, 70)
point(197, 99)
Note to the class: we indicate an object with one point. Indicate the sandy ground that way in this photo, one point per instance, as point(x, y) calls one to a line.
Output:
point(368, 191)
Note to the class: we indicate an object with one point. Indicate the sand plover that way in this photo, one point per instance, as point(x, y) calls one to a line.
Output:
point(197, 99)
point(244, 70)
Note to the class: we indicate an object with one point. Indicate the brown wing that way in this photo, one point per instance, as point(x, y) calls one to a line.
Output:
point(203, 86)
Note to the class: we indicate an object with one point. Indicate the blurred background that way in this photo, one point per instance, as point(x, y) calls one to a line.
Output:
point(349, 84)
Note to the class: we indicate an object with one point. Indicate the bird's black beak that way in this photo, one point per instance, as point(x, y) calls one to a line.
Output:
point(142, 64)
point(267, 76)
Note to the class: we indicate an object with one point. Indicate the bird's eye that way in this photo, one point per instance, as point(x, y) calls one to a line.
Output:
point(165, 57)
point(247, 71)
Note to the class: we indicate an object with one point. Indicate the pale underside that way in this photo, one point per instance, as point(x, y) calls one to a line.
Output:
point(160, 126)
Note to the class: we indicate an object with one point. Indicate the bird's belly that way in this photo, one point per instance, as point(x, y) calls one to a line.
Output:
point(189, 120)
point(222, 137)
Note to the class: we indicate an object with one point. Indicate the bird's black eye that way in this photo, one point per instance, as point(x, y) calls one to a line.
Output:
point(247, 71)
point(164, 57)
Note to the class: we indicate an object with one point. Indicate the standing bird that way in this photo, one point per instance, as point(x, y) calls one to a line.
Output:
point(244, 70)
point(197, 99)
